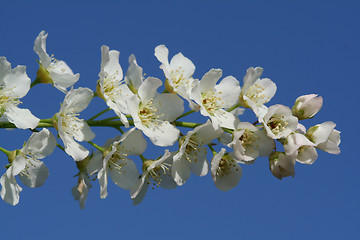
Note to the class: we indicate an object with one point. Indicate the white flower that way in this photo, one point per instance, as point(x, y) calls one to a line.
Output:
point(225, 171)
point(279, 121)
point(191, 156)
point(249, 142)
point(214, 99)
point(282, 165)
point(111, 86)
point(70, 126)
point(256, 92)
point(51, 70)
point(325, 136)
point(307, 106)
point(32, 172)
point(156, 173)
point(115, 161)
point(301, 148)
point(14, 84)
point(81, 190)
point(178, 73)
point(153, 112)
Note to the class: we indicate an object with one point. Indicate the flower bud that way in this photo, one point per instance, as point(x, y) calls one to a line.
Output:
point(325, 136)
point(307, 106)
point(281, 165)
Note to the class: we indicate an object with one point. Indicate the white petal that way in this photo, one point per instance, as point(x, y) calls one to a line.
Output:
point(10, 190)
point(134, 74)
point(76, 100)
point(35, 174)
point(229, 91)
point(163, 134)
point(180, 170)
point(110, 63)
point(148, 89)
point(74, 149)
point(103, 182)
point(252, 74)
point(139, 196)
point(95, 163)
point(183, 63)
point(83, 132)
point(200, 165)
point(133, 142)
point(41, 144)
point(127, 176)
point(5, 68)
point(209, 80)
point(40, 49)
point(22, 118)
point(307, 155)
point(170, 106)
point(162, 54)
point(17, 82)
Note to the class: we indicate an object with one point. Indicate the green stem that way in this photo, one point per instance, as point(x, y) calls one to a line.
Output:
point(101, 149)
point(99, 114)
point(185, 114)
point(119, 129)
point(35, 82)
point(143, 159)
point(61, 147)
point(5, 151)
point(212, 149)
point(187, 124)
point(234, 107)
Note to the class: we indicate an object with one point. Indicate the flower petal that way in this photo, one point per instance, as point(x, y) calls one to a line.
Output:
point(41, 144)
point(22, 118)
point(35, 174)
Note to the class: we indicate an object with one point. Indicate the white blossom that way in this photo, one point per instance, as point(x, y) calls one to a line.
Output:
point(111, 86)
point(52, 70)
point(156, 173)
point(282, 165)
point(250, 142)
point(70, 127)
point(256, 92)
point(225, 171)
point(301, 148)
point(191, 156)
point(153, 112)
point(14, 84)
point(81, 190)
point(214, 99)
point(115, 162)
point(32, 172)
point(178, 73)
point(325, 136)
point(279, 121)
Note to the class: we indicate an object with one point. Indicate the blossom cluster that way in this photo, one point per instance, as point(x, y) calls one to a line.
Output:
point(143, 114)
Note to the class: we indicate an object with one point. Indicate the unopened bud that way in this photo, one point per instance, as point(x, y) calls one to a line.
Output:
point(281, 165)
point(307, 106)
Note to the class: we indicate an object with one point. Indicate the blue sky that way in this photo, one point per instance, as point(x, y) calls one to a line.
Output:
point(304, 47)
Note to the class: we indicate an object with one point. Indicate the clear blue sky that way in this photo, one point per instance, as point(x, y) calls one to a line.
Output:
point(304, 47)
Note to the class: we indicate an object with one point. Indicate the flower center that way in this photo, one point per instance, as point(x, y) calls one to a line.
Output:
point(247, 138)
point(70, 122)
point(147, 114)
point(6, 100)
point(277, 124)
point(211, 102)
point(226, 165)
point(177, 77)
point(31, 159)
point(154, 176)
point(117, 161)
point(111, 85)
point(256, 94)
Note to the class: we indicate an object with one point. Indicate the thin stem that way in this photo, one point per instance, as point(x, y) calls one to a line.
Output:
point(35, 82)
point(109, 119)
point(234, 107)
point(143, 159)
point(101, 149)
point(5, 151)
point(212, 149)
point(61, 147)
point(185, 114)
point(119, 129)
point(99, 114)
point(228, 130)
point(187, 124)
